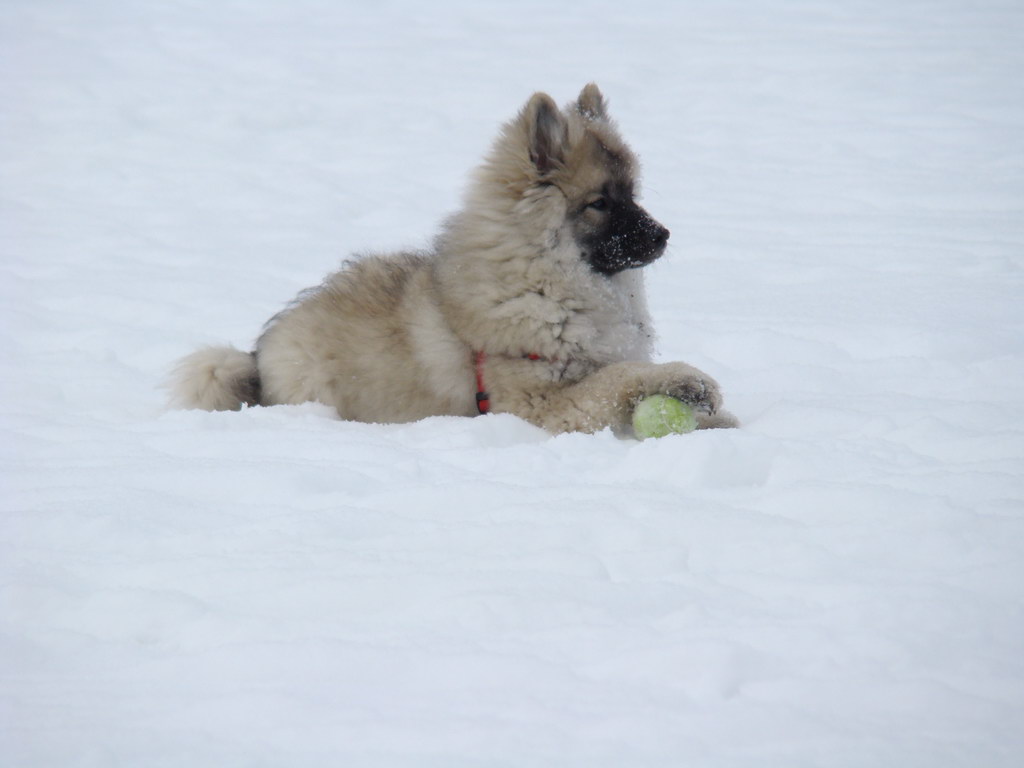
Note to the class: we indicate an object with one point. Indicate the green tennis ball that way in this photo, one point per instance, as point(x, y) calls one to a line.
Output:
point(660, 415)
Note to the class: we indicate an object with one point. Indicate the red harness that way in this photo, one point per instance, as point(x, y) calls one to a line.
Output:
point(483, 397)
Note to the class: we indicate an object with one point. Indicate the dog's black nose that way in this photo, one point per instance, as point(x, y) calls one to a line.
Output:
point(650, 230)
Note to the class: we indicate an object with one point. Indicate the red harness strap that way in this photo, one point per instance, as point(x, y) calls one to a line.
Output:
point(483, 397)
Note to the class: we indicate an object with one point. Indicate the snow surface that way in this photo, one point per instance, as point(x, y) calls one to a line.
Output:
point(839, 583)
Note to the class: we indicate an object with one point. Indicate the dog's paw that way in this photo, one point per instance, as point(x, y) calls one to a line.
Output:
point(719, 420)
point(698, 389)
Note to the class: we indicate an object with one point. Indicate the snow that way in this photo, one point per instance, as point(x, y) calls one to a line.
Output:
point(838, 583)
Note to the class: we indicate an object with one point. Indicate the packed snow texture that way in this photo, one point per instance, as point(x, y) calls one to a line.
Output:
point(838, 583)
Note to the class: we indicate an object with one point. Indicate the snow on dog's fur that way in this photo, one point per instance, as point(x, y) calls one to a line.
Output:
point(532, 292)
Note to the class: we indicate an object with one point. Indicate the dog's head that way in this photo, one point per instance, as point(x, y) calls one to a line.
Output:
point(577, 153)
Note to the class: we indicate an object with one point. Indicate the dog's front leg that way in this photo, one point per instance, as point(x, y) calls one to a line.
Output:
point(606, 397)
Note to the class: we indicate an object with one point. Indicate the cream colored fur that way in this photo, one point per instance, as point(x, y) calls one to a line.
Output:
point(393, 338)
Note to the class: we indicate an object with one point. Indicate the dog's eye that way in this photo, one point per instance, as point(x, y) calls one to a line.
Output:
point(599, 204)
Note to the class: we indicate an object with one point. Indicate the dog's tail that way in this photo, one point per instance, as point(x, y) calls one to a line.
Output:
point(215, 379)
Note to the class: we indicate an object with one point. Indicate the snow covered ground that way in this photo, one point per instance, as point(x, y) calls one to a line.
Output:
point(839, 583)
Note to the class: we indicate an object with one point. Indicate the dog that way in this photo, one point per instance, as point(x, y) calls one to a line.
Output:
point(531, 302)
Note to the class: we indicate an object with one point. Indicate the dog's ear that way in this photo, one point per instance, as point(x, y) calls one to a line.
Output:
point(591, 103)
point(547, 132)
